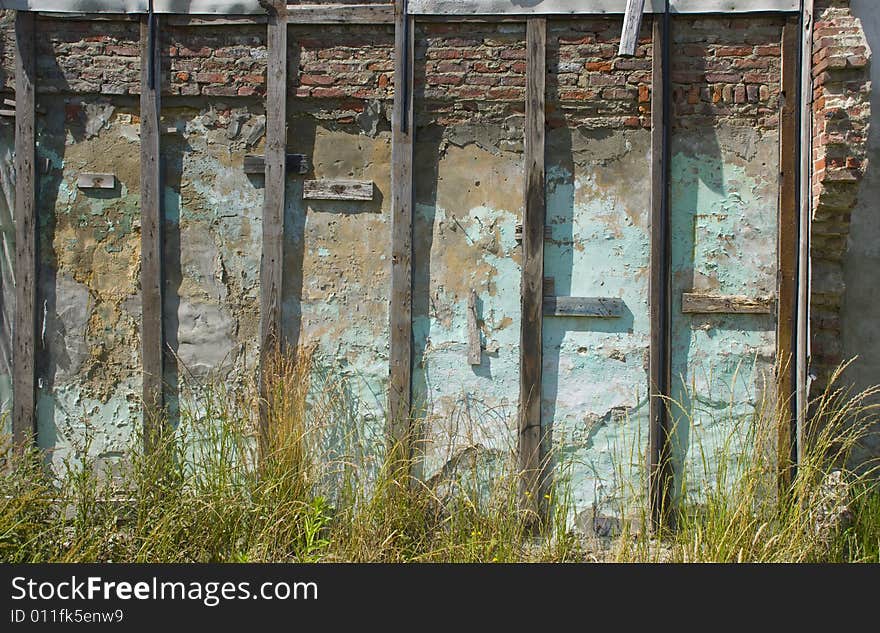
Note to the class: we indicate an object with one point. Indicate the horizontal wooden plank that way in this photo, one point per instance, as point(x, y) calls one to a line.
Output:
point(256, 164)
point(338, 190)
point(207, 20)
point(701, 303)
point(96, 181)
point(571, 7)
point(340, 14)
point(598, 307)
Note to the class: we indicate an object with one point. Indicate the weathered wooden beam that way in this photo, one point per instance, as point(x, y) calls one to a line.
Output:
point(96, 181)
point(532, 288)
point(787, 245)
point(593, 7)
point(475, 351)
point(802, 361)
point(340, 13)
point(660, 475)
point(705, 303)
point(152, 332)
point(597, 307)
point(402, 136)
point(24, 332)
point(211, 20)
point(338, 190)
point(632, 24)
point(272, 261)
point(255, 164)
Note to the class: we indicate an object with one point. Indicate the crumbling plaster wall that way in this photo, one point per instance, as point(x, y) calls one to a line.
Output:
point(469, 101)
point(724, 205)
point(89, 374)
point(469, 93)
point(595, 382)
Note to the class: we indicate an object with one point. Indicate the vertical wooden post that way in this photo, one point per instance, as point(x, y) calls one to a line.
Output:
point(806, 159)
point(25, 325)
point(787, 246)
point(660, 476)
point(402, 134)
point(532, 289)
point(272, 261)
point(152, 334)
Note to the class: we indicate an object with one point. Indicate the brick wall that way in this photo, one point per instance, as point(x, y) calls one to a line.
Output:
point(726, 70)
point(214, 61)
point(80, 57)
point(841, 116)
point(342, 62)
point(469, 72)
point(589, 84)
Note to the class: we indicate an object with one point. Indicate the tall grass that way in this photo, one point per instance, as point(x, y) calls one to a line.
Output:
point(320, 489)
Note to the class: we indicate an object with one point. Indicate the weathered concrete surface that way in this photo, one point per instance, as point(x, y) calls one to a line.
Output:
point(337, 281)
point(89, 253)
point(468, 203)
point(595, 370)
point(213, 237)
point(861, 328)
point(724, 216)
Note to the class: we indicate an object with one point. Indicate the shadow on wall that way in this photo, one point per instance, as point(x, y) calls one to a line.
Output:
point(52, 355)
point(174, 148)
point(562, 167)
point(708, 381)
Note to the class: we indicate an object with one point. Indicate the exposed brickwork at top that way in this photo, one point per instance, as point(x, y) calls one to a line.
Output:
point(342, 62)
point(469, 72)
point(589, 84)
point(214, 61)
point(726, 70)
point(82, 57)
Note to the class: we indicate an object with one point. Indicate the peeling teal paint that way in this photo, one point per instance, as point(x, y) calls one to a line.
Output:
point(724, 210)
point(595, 370)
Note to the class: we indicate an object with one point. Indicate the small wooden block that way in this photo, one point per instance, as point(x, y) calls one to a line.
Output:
point(7, 112)
point(9, 102)
point(96, 181)
point(338, 190)
point(296, 164)
point(701, 303)
point(598, 307)
point(518, 232)
point(475, 353)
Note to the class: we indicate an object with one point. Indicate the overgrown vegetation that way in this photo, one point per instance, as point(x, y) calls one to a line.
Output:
point(211, 492)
